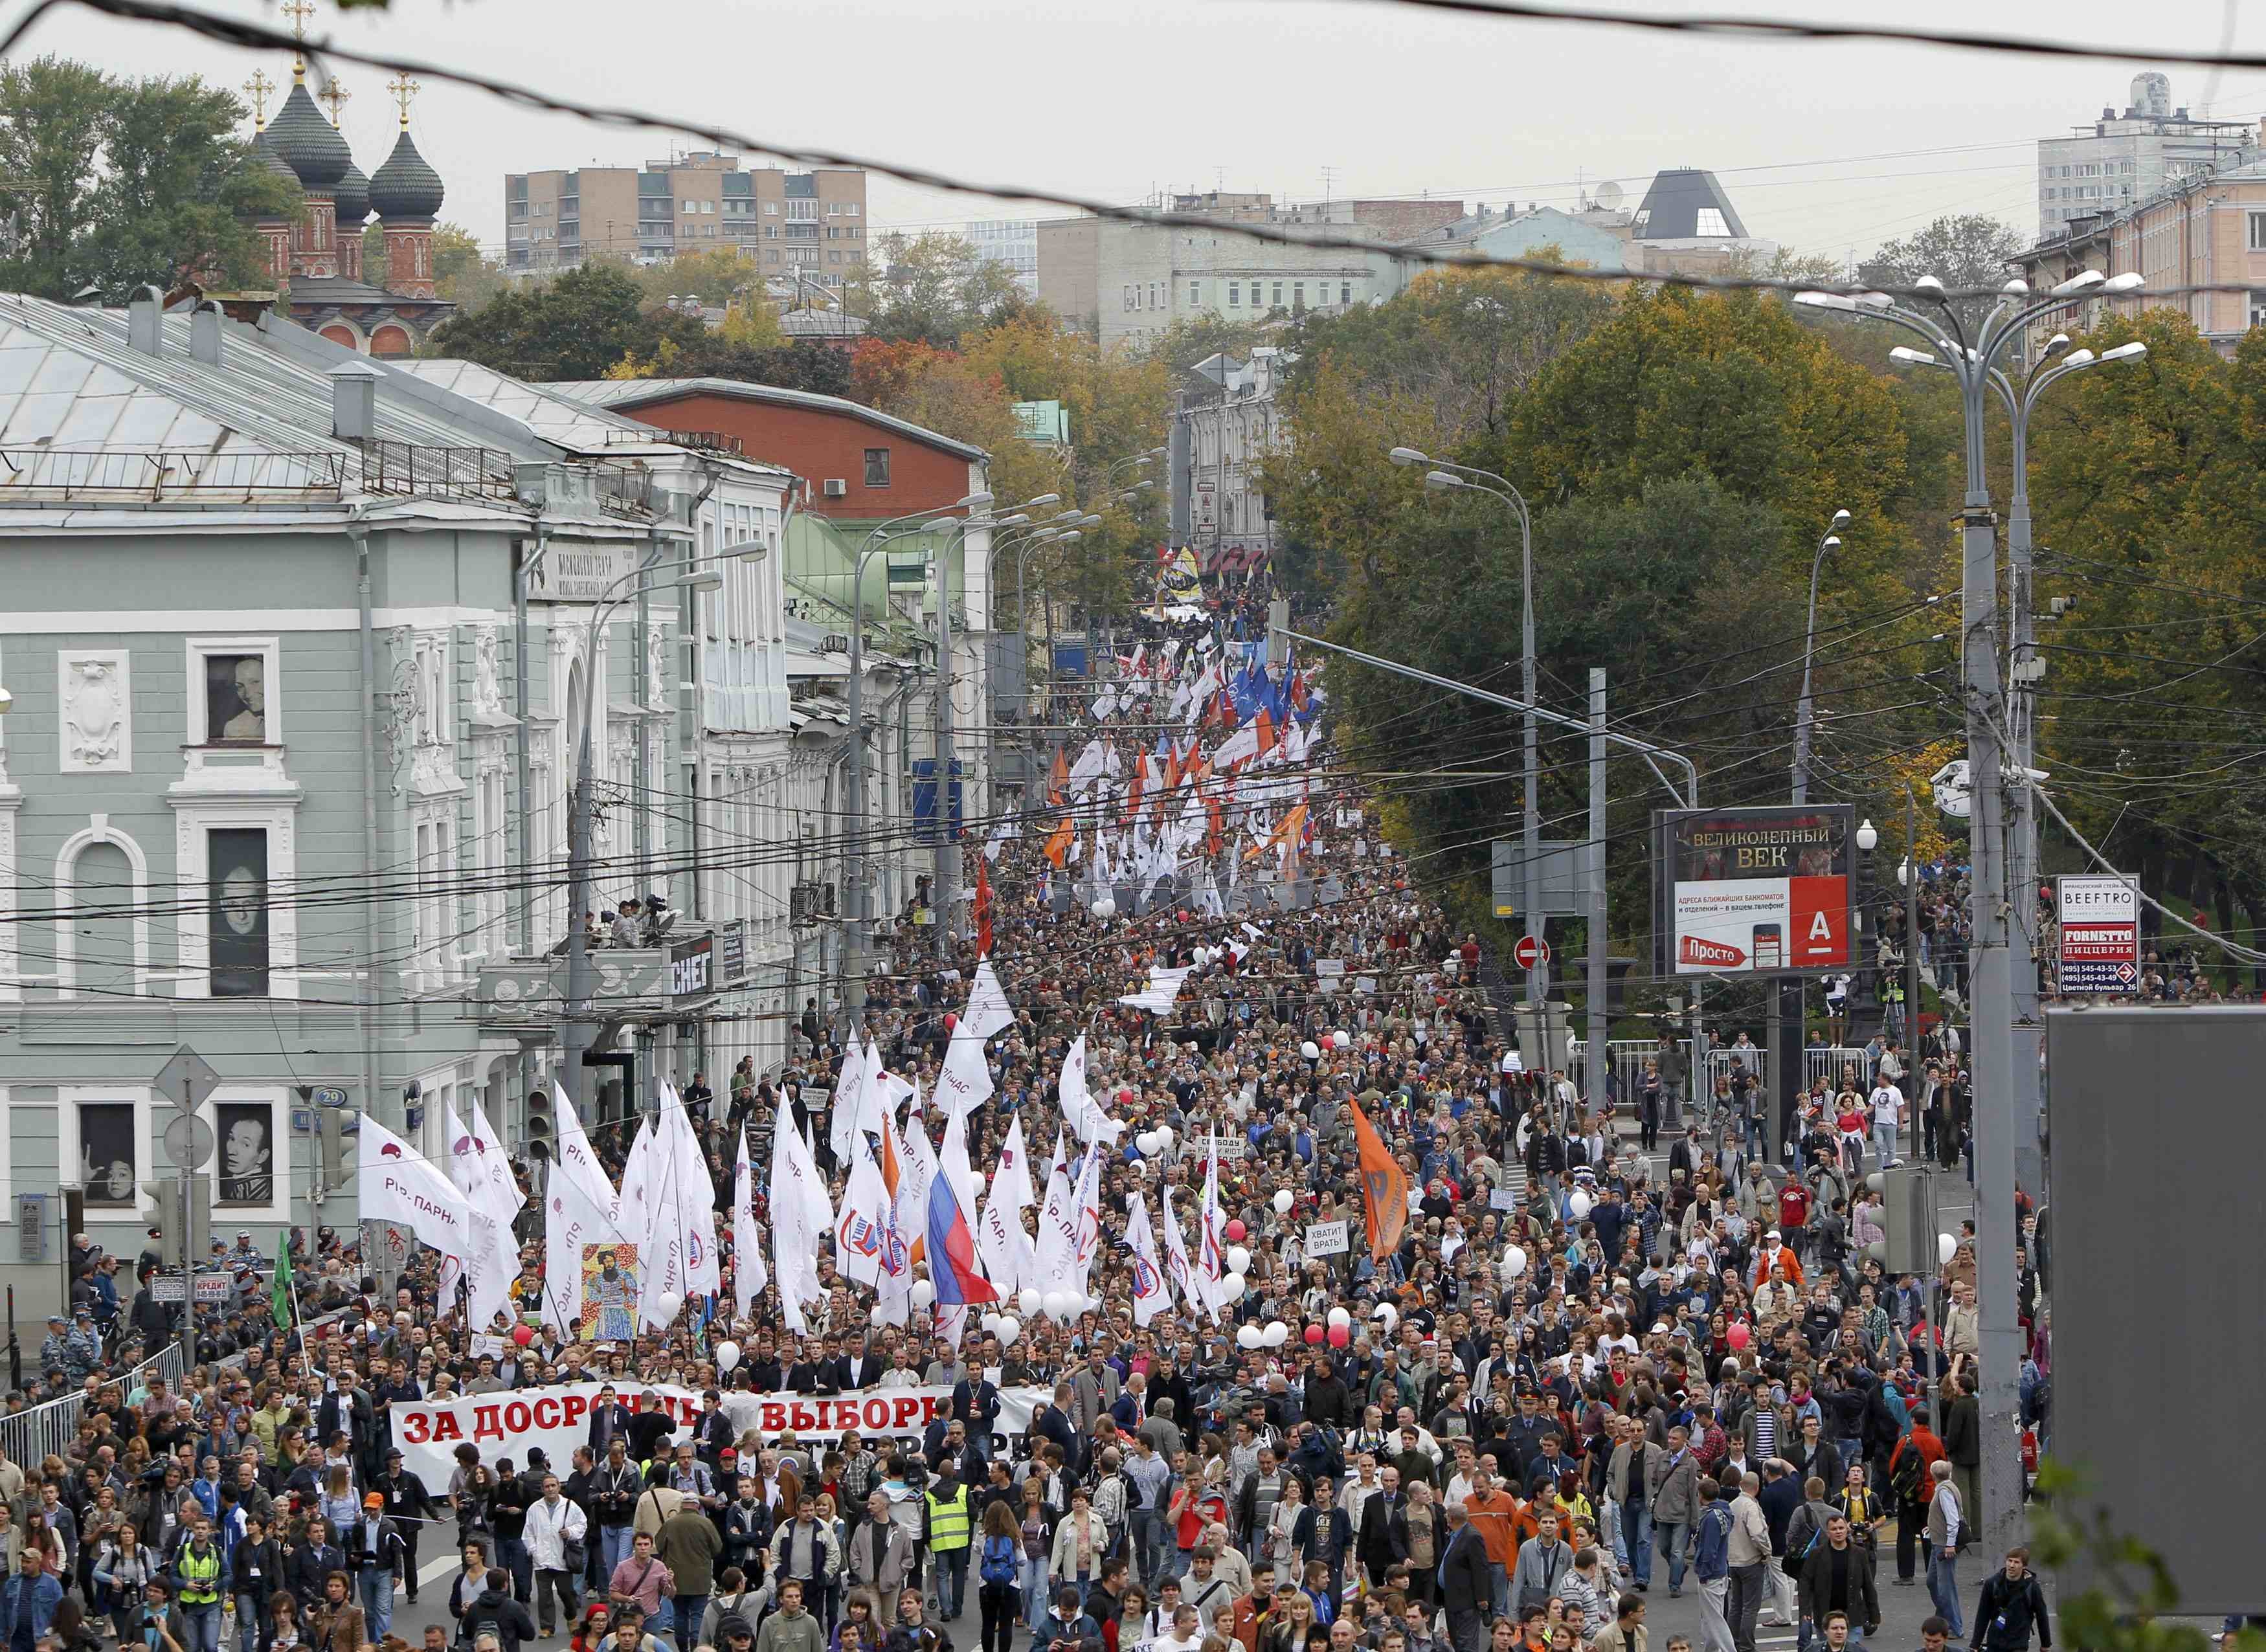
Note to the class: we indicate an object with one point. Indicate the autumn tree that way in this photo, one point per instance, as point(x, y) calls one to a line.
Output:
point(933, 288)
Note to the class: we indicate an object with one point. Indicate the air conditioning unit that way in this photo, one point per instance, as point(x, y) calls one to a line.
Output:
point(836, 488)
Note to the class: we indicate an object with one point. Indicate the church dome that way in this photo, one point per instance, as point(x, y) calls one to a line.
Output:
point(308, 144)
point(406, 189)
point(351, 194)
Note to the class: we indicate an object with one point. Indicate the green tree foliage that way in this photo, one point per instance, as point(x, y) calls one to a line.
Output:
point(933, 290)
point(117, 183)
point(1967, 250)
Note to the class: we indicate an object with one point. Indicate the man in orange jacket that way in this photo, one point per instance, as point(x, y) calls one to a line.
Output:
point(1495, 1514)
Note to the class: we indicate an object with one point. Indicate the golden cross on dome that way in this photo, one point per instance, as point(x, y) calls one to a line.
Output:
point(298, 11)
point(334, 94)
point(404, 89)
point(258, 86)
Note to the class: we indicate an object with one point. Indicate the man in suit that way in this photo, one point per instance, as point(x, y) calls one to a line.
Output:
point(1466, 1582)
point(1092, 1390)
point(861, 1368)
point(609, 1420)
point(976, 1405)
point(1378, 1543)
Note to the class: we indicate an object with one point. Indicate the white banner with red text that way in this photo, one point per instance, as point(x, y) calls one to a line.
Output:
point(556, 1419)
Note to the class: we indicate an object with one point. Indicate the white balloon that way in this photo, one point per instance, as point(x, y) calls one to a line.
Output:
point(1010, 1329)
point(1249, 1336)
point(727, 1356)
point(1277, 1334)
point(1341, 1038)
point(924, 1293)
point(873, 1314)
point(1340, 1316)
point(1164, 1135)
point(1283, 1200)
point(1147, 1142)
point(1105, 908)
point(1514, 1262)
point(669, 1306)
point(1233, 1288)
point(1390, 1314)
point(1946, 1248)
point(1239, 1260)
point(1578, 1207)
point(1310, 1050)
point(1028, 1300)
point(990, 1323)
point(1057, 1305)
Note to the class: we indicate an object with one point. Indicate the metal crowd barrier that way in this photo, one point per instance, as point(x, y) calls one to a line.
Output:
point(37, 1432)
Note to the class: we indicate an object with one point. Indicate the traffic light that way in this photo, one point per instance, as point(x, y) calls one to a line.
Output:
point(164, 1192)
point(184, 1216)
point(542, 1128)
point(1908, 1218)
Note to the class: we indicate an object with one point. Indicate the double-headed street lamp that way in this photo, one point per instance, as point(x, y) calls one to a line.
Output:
point(1831, 542)
point(1441, 476)
point(1976, 362)
point(579, 1029)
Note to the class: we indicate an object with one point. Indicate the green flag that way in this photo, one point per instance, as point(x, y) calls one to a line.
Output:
point(281, 1299)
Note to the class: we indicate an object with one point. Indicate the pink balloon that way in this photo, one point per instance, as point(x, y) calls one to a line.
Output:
point(1339, 1335)
point(1313, 1335)
point(1739, 1336)
point(1235, 1229)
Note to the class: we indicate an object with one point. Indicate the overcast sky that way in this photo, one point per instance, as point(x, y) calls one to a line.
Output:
point(1827, 148)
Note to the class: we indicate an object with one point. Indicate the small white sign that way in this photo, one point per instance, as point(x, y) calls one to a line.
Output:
point(1328, 1238)
point(1502, 1199)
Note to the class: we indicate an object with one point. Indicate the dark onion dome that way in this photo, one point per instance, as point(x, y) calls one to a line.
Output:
point(406, 189)
point(264, 155)
point(311, 145)
point(352, 193)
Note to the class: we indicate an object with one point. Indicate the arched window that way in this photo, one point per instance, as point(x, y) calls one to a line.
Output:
point(102, 910)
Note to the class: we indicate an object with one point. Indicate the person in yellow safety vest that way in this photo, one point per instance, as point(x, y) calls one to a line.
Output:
point(197, 1568)
point(951, 1529)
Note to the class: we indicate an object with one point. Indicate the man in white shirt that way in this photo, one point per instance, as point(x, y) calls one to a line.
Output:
point(1888, 1103)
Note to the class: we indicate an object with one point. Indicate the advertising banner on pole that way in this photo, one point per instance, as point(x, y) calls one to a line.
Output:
point(2100, 915)
point(1753, 891)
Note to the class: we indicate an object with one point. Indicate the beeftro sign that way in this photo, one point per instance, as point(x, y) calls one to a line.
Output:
point(1752, 891)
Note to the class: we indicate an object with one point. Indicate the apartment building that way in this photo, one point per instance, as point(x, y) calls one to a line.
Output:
point(779, 220)
point(1013, 241)
point(2123, 158)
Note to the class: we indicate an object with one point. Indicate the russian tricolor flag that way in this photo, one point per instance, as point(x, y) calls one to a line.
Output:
point(952, 1250)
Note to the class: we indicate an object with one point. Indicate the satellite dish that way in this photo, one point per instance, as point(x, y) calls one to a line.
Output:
point(1609, 195)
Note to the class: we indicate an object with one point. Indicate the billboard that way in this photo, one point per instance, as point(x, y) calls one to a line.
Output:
point(1753, 891)
point(2099, 914)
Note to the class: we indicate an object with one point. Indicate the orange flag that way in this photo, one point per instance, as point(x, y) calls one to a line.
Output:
point(983, 909)
point(1058, 841)
point(1384, 1189)
point(1288, 832)
point(1058, 784)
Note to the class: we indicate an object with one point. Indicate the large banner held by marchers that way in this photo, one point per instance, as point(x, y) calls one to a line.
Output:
point(557, 1419)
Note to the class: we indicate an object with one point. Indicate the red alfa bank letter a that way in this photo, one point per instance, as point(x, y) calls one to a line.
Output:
point(1817, 921)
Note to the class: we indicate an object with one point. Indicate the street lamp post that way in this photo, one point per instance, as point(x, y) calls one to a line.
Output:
point(1791, 1077)
point(578, 1029)
point(2019, 398)
point(853, 871)
point(1443, 476)
point(1975, 364)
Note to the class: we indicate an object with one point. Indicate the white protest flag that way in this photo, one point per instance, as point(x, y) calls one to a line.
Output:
point(498, 1187)
point(915, 1169)
point(1087, 1205)
point(1163, 989)
point(696, 1205)
point(885, 1093)
point(1176, 1253)
point(1151, 1296)
point(965, 1082)
point(749, 1274)
point(849, 1100)
point(662, 1288)
point(632, 1212)
point(394, 1182)
point(987, 1011)
point(1211, 1253)
point(580, 1213)
point(1087, 1120)
point(863, 1231)
point(1056, 1247)
point(493, 1263)
point(797, 1197)
point(1000, 1241)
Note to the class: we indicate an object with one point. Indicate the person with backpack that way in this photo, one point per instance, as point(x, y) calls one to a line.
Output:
point(1804, 1531)
point(494, 1611)
point(1711, 1565)
point(2010, 1607)
point(1000, 1577)
point(1911, 1466)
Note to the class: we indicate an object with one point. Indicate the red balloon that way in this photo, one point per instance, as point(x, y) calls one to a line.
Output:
point(521, 1336)
point(1235, 1229)
point(1313, 1334)
point(1339, 1335)
point(1739, 1336)
point(951, 1022)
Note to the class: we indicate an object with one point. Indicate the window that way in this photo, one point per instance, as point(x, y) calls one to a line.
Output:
point(853, 209)
point(1235, 294)
point(2257, 220)
point(435, 711)
point(1156, 295)
point(1712, 221)
point(691, 207)
point(1277, 290)
point(109, 1152)
point(803, 211)
point(2258, 309)
point(236, 874)
point(877, 467)
point(770, 208)
point(1196, 293)
point(236, 699)
point(1345, 292)
point(1297, 295)
point(1132, 297)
